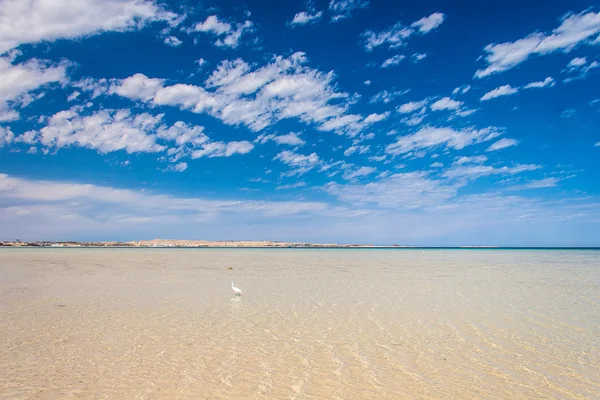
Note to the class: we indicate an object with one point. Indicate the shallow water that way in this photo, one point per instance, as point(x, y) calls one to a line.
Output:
point(311, 324)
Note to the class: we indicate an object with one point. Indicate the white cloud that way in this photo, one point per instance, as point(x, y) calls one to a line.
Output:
point(172, 41)
point(395, 60)
point(228, 35)
point(290, 139)
point(574, 30)
point(416, 57)
point(34, 21)
point(367, 82)
point(430, 137)
point(413, 120)
point(461, 89)
point(597, 144)
point(436, 165)
point(446, 103)
point(372, 118)
point(6, 135)
point(387, 96)
point(104, 131)
point(291, 186)
point(18, 80)
point(73, 96)
point(431, 208)
point(303, 18)
point(471, 160)
point(360, 149)
point(299, 163)
point(536, 184)
point(180, 167)
point(256, 98)
point(478, 171)
point(412, 106)
point(342, 9)
point(138, 87)
point(362, 171)
point(576, 62)
point(201, 62)
point(8, 115)
point(213, 25)
point(60, 208)
point(505, 90)
point(579, 66)
point(427, 24)
point(119, 130)
point(502, 144)
point(549, 81)
point(397, 35)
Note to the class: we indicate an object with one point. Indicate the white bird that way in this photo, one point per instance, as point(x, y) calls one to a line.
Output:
point(237, 291)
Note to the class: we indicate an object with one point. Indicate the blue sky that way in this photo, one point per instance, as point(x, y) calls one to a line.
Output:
point(471, 123)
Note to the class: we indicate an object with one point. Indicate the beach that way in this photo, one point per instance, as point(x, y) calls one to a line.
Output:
point(310, 324)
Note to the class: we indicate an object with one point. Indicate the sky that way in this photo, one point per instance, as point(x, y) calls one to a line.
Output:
point(430, 123)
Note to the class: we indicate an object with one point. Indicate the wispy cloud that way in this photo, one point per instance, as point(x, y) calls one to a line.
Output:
point(306, 18)
point(505, 90)
point(574, 30)
point(397, 34)
point(431, 137)
point(36, 21)
point(342, 9)
point(536, 184)
point(392, 61)
point(502, 144)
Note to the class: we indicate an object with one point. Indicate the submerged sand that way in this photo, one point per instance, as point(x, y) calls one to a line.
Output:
point(311, 324)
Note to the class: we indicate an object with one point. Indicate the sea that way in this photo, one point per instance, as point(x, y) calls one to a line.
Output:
point(95, 323)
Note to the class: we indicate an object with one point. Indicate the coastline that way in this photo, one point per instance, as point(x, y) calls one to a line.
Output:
point(205, 244)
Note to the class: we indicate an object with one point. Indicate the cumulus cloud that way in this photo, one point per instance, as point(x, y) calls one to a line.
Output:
point(238, 94)
point(342, 9)
point(397, 34)
point(502, 144)
point(505, 90)
point(108, 130)
point(6, 135)
point(446, 103)
point(430, 137)
point(18, 80)
point(304, 18)
point(34, 21)
point(228, 35)
point(172, 41)
point(299, 163)
point(395, 60)
point(574, 30)
point(412, 106)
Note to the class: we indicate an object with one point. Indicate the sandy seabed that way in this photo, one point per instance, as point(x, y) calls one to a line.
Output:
point(311, 324)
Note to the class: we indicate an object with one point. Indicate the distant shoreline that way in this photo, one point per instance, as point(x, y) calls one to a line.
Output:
point(200, 244)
